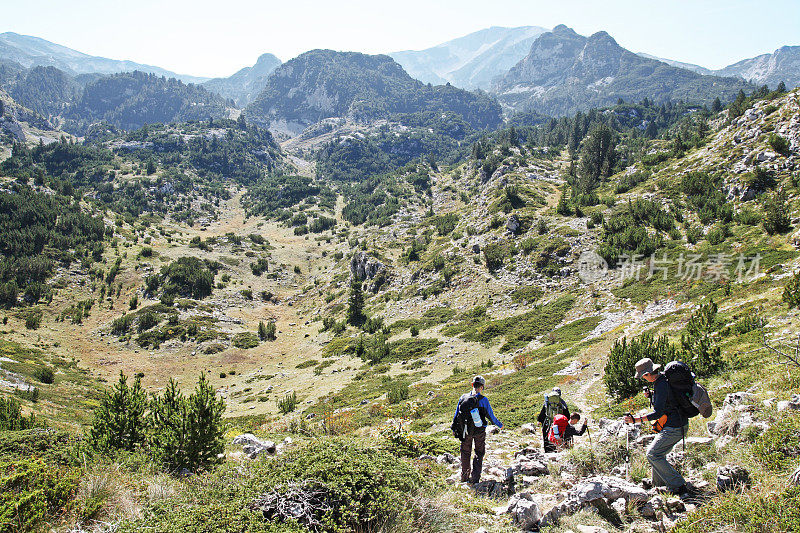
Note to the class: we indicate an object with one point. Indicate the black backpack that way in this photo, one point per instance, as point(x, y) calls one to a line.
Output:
point(464, 424)
point(682, 385)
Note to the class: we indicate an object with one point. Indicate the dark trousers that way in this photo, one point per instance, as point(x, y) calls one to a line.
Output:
point(549, 447)
point(479, 438)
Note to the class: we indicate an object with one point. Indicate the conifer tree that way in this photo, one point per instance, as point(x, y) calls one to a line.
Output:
point(119, 421)
point(700, 350)
point(204, 442)
point(169, 419)
point(355, 304)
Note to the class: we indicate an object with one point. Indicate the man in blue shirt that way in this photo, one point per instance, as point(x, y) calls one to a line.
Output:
point(674, 427)
point(472, 411)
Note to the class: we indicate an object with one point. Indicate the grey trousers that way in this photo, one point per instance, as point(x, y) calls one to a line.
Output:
point(663, 473)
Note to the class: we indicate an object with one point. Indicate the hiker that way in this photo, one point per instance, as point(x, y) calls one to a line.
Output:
point(469, 425)
point(571, 432)
point(563, 431)
point(672, 426)
point(553, 405)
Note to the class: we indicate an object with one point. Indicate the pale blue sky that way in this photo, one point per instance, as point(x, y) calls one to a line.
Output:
point(216, 38)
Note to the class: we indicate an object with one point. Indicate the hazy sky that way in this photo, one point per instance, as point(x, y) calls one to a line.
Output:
point(216, 38)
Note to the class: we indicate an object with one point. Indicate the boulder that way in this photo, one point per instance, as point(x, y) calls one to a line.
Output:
point(734, 415)
point(512, 224)
point(529, 467)
point(252, 446)
point(608, 488)
point(731, 477)
point(524, 511)
point(653, 507)
point(528, 429)
point(793, 403)
point(363, 267)
point(446, 459)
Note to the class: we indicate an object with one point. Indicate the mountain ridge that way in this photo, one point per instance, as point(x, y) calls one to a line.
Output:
point(565, 72)
point(31, 51)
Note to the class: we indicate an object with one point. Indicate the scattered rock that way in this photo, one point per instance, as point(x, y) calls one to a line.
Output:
point(795, 477)
point(252, 446)
point(512, 224)
point(793, 403)
point(732, 476)
point(528, 429)
point(524, 510)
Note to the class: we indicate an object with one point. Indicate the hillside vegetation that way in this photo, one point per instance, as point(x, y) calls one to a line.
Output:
point(170, 289)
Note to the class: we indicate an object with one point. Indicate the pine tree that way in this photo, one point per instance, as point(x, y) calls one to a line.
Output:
point(266, 332)
point(699, 348)
point(780, 89)
point(598, 157)
point(355, 304)
point(716, 107)
point(151, 167)
point(204, 442)
point(169, 422)
point(622, 360)
point(119, 420)
point(776, 213)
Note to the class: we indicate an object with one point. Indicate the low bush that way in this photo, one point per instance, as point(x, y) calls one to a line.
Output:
point(33, 492)
point(779, 448)
point(619, 370)
point(245, 340)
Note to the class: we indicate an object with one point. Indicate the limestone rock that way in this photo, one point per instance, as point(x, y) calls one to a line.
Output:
point(732, 476)
point(512, 224)
point(793, 403)
point(528, 429)
point(524, 510)
point(252, 446)
point(734, 415)
point(363, 267)
point(608, 488)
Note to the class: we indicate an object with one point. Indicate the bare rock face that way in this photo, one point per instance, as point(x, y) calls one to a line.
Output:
point(363, 267)
point(252, 446)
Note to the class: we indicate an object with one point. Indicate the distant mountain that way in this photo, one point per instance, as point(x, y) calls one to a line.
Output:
point(132, 99)
point(245, 85)
point(679, 64)
point(472, 61)
point(783, 65)
point(566, 72)
point(32, 51)
point(323, 83)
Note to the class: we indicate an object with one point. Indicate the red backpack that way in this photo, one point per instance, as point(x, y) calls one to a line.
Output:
point(556, 433)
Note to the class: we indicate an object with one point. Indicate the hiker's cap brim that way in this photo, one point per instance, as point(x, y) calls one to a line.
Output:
point(641, 373)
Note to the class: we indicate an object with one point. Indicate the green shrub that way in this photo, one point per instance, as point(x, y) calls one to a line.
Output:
point(791, 291)
point(776, 213)
point(33, 318)
point(779, 447)
point(245, 340)
point(288, 403)
point(495, 254)
point(748, 512)
point(147, 320)
point(11, 418)
point(698, 343)
point(307, 364)
point(119, 421)
point(779, 144)
point(620, 369)
point(266, 331)
point(44, 375)
point(397, 391)
point(32, 492)
point(371, 487)
point(527, 295)
point(414, 330)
